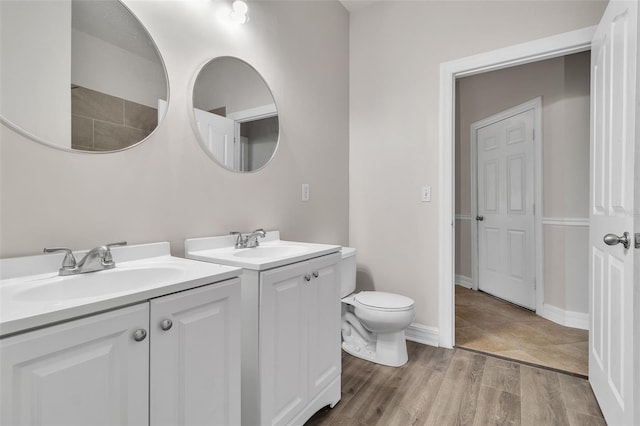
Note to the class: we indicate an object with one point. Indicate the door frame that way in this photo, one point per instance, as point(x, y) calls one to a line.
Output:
point(520, 54)
point(538, 274)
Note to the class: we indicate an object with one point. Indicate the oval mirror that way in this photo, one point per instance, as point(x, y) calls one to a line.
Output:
point(79, 75)
point(235, 115)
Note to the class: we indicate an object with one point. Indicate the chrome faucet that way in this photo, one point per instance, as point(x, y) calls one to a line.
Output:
point(97, 259)
point(252, 239)
point(249, 241)
point(241, 242)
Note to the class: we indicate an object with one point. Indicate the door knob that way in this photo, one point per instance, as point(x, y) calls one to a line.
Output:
point(480, 218)
point(613, 239)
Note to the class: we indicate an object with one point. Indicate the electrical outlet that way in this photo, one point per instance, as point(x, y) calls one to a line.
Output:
point(305, 192)
point(425, 194)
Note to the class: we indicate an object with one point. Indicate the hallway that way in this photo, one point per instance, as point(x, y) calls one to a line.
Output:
point(490, 325)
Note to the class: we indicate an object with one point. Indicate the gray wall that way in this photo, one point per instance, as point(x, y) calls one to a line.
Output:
point(563, 84)
point(396, 49)
point(167, 188)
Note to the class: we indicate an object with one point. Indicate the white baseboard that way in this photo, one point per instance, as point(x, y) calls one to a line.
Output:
point(464, 281)
point(423, 334)
point(567, 318)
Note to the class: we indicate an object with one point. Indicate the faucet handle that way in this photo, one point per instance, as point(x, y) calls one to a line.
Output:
point(69, 261)
point(121, 243)
point(241, 242)
point(107, 256)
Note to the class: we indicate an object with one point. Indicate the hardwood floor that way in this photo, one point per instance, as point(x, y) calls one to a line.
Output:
point(442, 387)
point(490, 325)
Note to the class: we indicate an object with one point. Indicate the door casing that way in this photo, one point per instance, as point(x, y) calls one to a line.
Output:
point(537, 50)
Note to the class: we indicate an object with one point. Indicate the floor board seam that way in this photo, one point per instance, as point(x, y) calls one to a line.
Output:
point(530, 364)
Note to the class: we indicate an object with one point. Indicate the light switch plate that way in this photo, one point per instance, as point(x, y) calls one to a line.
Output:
point(425, 194)
point(305, 192)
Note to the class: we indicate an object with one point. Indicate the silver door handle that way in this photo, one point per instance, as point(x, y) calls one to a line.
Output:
point(480, 218)
point(613, 239)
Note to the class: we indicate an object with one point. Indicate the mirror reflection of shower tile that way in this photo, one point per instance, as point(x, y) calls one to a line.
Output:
point(108, 136)
point(93, 104)
point(140, 116)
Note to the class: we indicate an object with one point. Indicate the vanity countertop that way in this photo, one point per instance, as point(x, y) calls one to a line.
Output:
point(271, 253)
point(33, 295)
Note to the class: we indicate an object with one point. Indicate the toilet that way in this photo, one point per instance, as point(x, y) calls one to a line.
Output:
point(373, 322)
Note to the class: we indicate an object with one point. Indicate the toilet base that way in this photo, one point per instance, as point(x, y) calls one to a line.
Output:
point(387, 349)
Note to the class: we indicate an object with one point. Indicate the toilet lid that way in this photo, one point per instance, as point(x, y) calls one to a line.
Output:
point(382, 300)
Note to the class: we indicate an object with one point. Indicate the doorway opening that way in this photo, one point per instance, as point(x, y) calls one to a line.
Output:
point(451, 72)
point(513, 204)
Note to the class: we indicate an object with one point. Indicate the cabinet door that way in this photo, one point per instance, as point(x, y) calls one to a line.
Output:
point(324, 323)
point(89, 371)
point(283, 343)
point(195, 364)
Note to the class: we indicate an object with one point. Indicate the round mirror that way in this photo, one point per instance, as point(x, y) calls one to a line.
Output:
point(235, 115)
point(79, 75)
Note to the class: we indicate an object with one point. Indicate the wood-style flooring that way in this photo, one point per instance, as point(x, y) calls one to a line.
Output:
point(443, 387)
point(487, 324)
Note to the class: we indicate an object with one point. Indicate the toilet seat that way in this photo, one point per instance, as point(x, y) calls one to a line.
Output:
point(382, 301)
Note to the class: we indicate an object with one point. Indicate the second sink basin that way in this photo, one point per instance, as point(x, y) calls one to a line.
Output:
point(271, 253)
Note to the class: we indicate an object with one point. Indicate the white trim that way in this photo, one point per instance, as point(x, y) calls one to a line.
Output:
point(251, 114)
point(422, 334)
point(566, 221)
point(567, 318)
point(464, 217)
point(546, 48)
point(464, 281)
point(538, 277)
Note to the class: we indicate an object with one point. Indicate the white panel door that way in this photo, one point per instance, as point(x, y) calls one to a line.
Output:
point(195, 356)
point(325, 311)
point(284, 318)
point(613, 136)
point(505, 216)
point(89, 371)
point(218, 133)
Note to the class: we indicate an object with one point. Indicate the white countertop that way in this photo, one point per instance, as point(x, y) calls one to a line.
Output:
point(26, 303)
point(221, 250)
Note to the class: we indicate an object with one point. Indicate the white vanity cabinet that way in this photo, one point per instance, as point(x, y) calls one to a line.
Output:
point(86, 371)
point(291, 320)
point(195, 357)
point(172, 360)
point(299, 340)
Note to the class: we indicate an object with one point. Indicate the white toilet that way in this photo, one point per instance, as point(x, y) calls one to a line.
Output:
point(373, 322)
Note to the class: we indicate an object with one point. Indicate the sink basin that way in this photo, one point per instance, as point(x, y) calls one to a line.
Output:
point(270, 251)
point(95, 283)
point(32, 294)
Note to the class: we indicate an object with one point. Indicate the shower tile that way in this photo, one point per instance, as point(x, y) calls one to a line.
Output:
point(108, 136)
point(140, 116)
point(81, 133)
point(92, 104)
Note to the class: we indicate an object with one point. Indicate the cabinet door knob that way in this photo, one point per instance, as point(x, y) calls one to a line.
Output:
point(315, 274)
point(139, 335)
point(307, 277)
point(166, 324)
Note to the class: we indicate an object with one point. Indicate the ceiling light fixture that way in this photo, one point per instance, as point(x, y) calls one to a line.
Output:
point(239, 12)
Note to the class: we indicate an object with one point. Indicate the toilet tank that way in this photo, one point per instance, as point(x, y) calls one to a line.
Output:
point(348, 271)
